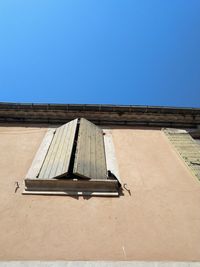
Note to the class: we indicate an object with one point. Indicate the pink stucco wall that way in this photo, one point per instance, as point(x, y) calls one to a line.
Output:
point(160, 220)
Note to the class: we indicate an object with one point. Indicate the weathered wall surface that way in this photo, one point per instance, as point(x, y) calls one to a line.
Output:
point(160, 220)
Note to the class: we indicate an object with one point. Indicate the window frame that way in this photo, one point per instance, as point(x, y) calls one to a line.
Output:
point(73, 186)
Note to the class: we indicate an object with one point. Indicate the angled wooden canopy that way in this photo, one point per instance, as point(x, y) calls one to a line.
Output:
point(71, 159)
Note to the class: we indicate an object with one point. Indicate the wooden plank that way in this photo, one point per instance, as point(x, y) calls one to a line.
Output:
point(90, 162)
point(111, 159)
point(56, 163)
point(40, 155)
point(101, 168)
point(71, 185)
point(51, 155)
point(72, 193)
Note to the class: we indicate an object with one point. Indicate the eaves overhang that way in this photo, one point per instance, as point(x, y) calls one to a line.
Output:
point(129, 115)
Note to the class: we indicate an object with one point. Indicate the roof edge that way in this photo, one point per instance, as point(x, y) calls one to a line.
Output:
point(101, 114)
point(95, 106)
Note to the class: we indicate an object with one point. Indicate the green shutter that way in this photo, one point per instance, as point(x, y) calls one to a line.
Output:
point(73, 151)
point(90, 161)
point(57, 160)
point(187, 148)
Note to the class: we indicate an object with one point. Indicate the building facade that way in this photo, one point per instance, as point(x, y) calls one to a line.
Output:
point(156, 216)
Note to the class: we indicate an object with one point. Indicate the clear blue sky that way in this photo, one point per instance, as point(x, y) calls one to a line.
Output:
point(100, 51)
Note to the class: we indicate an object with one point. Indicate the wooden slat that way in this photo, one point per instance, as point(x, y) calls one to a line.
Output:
point(40, 155)
point(90, 162)
point(56, 163)
point(187, 148)
point(71, 185)
point(73, 193)
point(111, 160)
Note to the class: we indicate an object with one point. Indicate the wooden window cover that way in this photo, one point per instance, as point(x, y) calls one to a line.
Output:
point(90, 160)
point(57, 160)
point(187, 148)
point(71, 159)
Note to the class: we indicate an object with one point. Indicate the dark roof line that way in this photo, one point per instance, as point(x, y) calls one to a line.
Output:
point(101, 114)
point(94, 106)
